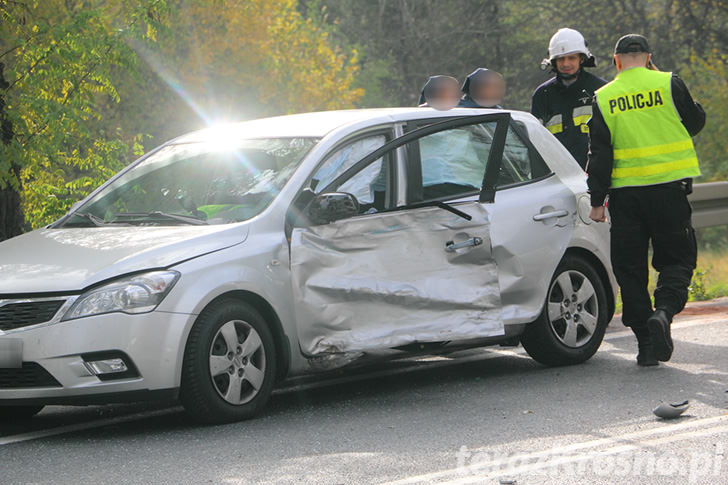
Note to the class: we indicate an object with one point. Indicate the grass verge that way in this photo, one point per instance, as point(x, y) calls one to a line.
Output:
point(710, 279)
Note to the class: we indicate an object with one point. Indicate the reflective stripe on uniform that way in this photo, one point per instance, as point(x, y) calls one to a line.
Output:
point(581, 115)
point(657, 168)
point(555, 125)
point(649, 141)
point(623, 153)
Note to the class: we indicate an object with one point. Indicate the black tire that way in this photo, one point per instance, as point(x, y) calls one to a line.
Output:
point(546, 339)
point(10, 413)
point(201, 393)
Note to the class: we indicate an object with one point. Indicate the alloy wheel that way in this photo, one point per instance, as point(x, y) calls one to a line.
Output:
point(237, 362)
point(573, 308)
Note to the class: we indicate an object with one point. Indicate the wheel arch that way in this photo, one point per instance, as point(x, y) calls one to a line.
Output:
point(283, 347)
point(596, 263)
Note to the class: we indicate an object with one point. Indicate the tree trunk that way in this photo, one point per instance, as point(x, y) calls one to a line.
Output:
point(11, 214)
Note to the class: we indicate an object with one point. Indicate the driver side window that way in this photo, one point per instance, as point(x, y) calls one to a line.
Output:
point(369, 185)
point(452, 162)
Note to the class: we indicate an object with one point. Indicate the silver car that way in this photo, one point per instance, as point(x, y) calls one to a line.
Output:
point(230, 259)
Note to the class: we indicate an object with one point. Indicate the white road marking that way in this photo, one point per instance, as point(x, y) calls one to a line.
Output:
point(490, 353)
point(548, 458)
point(589, 456)
point(97, 423)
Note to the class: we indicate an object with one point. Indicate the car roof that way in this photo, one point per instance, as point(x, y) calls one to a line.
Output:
point(319, 124)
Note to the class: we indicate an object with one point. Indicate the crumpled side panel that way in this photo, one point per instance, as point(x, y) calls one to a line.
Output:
point(385, 280)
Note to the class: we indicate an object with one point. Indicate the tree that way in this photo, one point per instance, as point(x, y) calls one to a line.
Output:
point(91, 81)
point(707, 78)
point(11, 216)
point(239, 59)
point(402, 42)
point(59, 58)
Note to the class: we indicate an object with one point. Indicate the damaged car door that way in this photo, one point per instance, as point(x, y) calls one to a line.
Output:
point(370, 274)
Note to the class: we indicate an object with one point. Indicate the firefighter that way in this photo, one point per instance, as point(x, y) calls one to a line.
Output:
point(563, 103)
point(483, 88)
point(642, 157)
point(440, 92)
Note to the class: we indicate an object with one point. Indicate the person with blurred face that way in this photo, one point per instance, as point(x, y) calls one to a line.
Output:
point(564, 102)
point(440, 92)
point(483, 88)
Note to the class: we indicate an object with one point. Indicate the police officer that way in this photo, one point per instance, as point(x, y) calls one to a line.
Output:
point(563, 103)
point(642, 157)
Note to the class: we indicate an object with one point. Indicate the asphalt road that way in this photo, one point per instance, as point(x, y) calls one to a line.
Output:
point(485, 416)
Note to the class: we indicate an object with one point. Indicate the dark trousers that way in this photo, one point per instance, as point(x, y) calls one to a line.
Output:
point(659, 214)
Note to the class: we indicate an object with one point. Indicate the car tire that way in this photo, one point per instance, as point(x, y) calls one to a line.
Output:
point(228, 333)
point(10, 413)
point(572, 323)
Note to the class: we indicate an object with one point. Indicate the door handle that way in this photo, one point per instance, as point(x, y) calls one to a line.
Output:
point(450, 246)
point(549, 215)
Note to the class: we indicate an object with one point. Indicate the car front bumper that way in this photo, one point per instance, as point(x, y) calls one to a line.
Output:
point(55, 358)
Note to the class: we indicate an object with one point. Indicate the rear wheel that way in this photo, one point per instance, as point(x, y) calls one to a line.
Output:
point(9, 413)
point(230, 364)
point(571, 326)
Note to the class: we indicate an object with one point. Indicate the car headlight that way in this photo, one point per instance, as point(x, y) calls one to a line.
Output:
point(140, 293)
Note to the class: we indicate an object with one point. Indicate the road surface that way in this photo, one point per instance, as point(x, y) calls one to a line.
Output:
point(483, 416)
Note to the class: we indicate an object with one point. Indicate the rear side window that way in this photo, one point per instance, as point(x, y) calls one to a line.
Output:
point(521, 161)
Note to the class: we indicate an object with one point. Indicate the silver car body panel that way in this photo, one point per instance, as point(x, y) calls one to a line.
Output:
point(388, 280)
point(252, 258)
point(66, 260)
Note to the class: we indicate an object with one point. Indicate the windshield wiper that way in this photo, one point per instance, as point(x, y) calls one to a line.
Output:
point(434, 203)
point(95, 220)
point(162, 215)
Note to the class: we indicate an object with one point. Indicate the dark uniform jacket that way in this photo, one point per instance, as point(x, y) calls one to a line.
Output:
point(468, 102)
point(565, 110)
point(601, 154)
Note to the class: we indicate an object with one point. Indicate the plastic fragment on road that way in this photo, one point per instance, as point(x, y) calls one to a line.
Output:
point(670, 411)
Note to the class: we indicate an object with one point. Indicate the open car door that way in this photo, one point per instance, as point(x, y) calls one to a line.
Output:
point(419, 272)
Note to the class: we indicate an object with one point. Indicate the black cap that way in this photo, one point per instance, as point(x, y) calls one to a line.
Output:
point(632, 43)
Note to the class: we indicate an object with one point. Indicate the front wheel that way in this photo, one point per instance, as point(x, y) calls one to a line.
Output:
point(572, 323)
point(229, 365)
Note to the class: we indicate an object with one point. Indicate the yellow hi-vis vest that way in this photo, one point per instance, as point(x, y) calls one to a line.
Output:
point(651, 145)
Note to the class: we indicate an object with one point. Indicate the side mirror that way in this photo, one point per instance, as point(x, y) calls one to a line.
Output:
point(330, 207)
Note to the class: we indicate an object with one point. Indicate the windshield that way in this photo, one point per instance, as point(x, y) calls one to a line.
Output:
point(197, 183)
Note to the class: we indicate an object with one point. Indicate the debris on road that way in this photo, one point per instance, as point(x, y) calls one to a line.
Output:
point(671, 411)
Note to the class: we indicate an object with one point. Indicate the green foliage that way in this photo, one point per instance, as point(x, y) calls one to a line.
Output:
point(702, 288)
point(708, 81)
point(60, 64)
point(698, 290)
point(710, 280)
point(403, 42)
point(88, 77)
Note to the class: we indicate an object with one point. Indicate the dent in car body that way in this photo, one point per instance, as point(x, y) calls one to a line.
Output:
point(355, 290)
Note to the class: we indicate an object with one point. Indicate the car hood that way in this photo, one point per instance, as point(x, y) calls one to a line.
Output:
point(69, 260)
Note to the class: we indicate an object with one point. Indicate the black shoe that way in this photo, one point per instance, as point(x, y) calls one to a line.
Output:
point(659, 326)
point(645, 350)
point(646, 355)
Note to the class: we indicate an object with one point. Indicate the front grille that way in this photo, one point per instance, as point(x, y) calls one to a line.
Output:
point(30, 375)
point(17, 315)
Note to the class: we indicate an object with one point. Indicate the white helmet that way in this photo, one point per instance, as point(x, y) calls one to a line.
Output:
point(569, 41)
